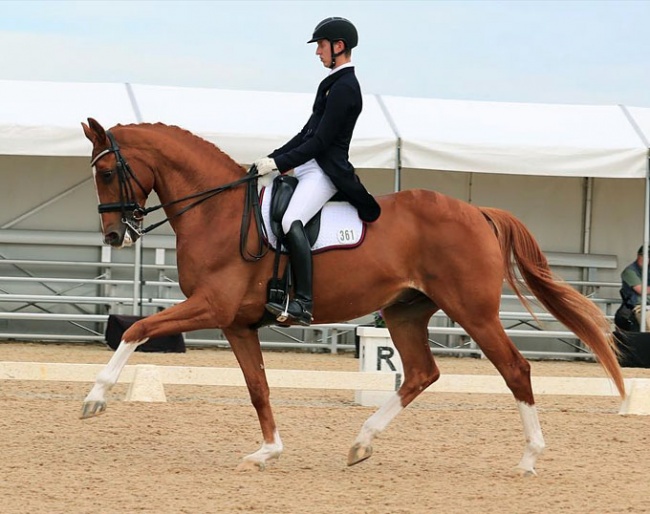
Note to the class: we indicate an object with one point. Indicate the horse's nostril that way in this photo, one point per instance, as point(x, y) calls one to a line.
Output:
point(111, 238)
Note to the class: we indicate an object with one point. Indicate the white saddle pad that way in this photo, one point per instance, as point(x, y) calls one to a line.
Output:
point(340, 225)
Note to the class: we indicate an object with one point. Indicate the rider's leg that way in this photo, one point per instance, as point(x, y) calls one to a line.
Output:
point(300, 306)
point(313, 191)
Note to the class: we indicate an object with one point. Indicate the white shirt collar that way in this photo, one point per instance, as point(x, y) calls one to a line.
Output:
point(346, 65)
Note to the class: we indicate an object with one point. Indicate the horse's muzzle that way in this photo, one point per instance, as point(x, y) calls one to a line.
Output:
point(121, 236)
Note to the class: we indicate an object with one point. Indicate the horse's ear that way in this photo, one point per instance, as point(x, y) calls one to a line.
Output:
point(94, 131)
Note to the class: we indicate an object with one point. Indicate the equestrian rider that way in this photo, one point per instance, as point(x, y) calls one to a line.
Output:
point(318, 154)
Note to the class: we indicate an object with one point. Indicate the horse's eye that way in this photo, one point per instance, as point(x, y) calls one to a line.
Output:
point(107, 175)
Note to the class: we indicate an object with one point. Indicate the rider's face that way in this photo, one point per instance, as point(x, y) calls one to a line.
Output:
point(324, 52)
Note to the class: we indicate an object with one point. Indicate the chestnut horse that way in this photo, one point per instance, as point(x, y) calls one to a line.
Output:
point(426, 252)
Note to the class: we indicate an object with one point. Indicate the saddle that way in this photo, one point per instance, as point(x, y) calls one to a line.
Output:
point(337, 225)
point(283, 188)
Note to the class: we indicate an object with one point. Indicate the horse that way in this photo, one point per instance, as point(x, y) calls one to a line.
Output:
point(426, 252)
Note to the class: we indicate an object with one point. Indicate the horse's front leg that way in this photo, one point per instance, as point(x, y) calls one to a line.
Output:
point(245, 344)
point(184, 317)
point(95, 402)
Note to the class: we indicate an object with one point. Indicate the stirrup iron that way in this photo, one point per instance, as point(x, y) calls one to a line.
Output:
point(284, 315)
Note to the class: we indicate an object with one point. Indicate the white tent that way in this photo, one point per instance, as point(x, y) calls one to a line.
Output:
point(249, 124)
point(43, 118)
point(416, 137)
point(517, 138)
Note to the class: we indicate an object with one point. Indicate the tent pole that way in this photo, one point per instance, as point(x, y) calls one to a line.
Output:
point(586, 223)
point(588, 205)
point(398, 144)
point(646, 215)
point(646, 237)
point(138, 281)
point(398, 165)
point(47, 203)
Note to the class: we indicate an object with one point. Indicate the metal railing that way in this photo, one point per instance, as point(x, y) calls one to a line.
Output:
point(68, 292)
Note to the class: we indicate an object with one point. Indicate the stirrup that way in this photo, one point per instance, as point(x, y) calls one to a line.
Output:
point(282, 314)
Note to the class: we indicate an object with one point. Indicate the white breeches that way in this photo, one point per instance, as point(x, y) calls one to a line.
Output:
point(312, 193)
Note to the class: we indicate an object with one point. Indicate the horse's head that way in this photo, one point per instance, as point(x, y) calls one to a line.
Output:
point(121, 189)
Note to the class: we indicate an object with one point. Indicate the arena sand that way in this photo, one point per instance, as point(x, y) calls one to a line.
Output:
point(447, 453)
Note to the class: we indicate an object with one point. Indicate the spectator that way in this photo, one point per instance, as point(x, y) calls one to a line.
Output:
point(628, 316)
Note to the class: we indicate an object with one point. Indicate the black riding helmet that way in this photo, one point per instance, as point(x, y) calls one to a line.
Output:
point(334, 29)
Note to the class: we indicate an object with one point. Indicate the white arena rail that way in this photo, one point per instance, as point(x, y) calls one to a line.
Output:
point(147, 381)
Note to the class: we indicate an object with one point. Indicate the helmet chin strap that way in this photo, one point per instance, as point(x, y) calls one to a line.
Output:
point(334, 56)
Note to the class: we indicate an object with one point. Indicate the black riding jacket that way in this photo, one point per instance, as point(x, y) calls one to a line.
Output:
point(326, 137)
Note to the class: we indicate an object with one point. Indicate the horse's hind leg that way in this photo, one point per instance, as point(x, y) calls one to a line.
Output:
point(515, 370)
point(407, 325)
point(245, 345)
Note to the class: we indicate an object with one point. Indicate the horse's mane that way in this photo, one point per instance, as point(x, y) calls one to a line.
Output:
point(189, 137)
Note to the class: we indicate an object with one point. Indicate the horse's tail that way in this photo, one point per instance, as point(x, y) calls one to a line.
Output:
point(566, 304)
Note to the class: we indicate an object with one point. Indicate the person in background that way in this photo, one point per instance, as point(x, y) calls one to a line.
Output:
point(628, 316)
point(319, 156)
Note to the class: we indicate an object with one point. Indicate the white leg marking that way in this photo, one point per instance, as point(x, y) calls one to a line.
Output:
point(109, 375)
point(267, 453)
point(378, 422)
point(534, 438)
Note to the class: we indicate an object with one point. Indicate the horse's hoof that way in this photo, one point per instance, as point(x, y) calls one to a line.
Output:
point(358, 454)
point(92, 409)
point(251, 465)
point(525, 472)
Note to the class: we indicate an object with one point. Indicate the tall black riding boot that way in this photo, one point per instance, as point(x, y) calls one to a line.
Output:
point(299, 309)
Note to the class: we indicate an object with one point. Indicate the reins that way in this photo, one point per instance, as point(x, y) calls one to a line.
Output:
point(202, 197)
point(128, 204)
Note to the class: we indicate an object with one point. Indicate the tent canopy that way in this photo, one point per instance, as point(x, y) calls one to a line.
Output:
point(517, 138)
point(43, 119)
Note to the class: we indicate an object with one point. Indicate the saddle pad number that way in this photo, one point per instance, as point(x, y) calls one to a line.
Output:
point(346, 235)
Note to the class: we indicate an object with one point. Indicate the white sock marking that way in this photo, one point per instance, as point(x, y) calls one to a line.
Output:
point(268, 451)
point(378, 422)
point(533, 434)
point(109, 375)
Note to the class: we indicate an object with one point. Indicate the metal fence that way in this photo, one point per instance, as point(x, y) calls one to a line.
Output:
point(62, 286)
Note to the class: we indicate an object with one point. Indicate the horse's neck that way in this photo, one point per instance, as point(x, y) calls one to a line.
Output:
point(180, 176)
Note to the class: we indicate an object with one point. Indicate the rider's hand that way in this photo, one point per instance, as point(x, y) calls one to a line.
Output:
point(265, 165)
point(266, 180)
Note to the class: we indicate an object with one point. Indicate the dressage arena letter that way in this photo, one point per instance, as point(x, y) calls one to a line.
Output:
point(384, 353)
point(377, 353)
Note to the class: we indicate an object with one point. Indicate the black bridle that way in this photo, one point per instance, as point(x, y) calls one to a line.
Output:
point(133, 213)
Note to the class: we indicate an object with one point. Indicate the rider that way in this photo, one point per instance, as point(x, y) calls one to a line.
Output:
point(318, 154)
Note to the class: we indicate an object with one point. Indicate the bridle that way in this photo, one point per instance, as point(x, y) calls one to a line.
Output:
point(133, 213)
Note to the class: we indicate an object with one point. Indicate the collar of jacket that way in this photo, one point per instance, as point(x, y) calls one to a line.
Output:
point(333, 77)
